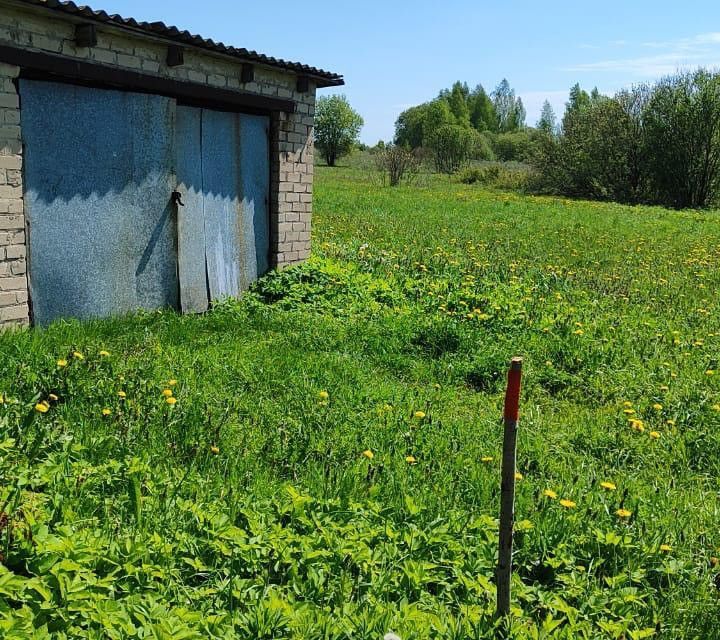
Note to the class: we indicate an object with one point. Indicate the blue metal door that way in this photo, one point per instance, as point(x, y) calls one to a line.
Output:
point(225, 242)
point(192, 269)
point(98, 179)
point(100, 168)
point(255, 171)
point(223, 175)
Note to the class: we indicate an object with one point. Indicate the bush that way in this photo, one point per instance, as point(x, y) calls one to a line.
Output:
point(452, 146)
point(506, 176)
point(483, 147)
point(396, 163)
point(597, 155)
point(655, 144)
point(682, 139)
point(516, 146)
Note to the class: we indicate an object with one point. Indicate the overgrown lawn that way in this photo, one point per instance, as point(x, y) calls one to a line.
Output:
point(330, 466)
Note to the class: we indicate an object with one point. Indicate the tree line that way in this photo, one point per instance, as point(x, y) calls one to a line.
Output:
point(462, 124)
point(652, 143)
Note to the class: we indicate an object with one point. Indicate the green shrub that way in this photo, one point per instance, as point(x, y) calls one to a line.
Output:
point(397, 163)
point(682, 139)
point(481, 175)
point(508, 176)
point(483, 149)
point(597, 155)
point(517, 146)
point(452, 146)
point(656, 144)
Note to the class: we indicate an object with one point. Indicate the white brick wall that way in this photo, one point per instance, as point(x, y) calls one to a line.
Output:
point(13, 278)
point(291, 135)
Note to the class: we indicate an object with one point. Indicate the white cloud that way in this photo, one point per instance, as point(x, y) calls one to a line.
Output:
point(700, 50)
point(679, 44)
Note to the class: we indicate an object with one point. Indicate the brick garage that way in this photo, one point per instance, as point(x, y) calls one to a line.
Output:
point(55, 56)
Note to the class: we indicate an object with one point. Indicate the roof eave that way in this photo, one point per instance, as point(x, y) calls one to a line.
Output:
point(159, 31)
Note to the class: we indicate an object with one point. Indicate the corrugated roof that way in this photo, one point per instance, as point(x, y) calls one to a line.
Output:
point(160, 29)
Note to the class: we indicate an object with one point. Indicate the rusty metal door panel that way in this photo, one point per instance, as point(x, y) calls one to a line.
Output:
point(222, 202)
point(192, 270)
point(98, 181)
point(255, 168)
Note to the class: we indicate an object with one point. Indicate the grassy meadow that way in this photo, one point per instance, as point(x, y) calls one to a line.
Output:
point(320, 460)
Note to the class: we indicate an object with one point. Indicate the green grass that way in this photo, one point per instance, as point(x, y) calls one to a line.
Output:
point(248, 509)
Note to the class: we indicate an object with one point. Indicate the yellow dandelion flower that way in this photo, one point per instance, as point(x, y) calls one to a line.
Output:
point(62, 363)
point(486, 459)
point(410, 459)
point(654, 435)
point(657, 406)
point(105, 354)
point(324, 396)
point(42, 407)
point(518, 475)
point(549, 493)
point(628, 412)
point(627, 404)
point(610, 486)
point(670, 422)
point(419, 415)
point(78, 356)
point(716, 407)
point(568, 504)
point(578, 332)
point(167, 393)
point(368, 454)
point(106, 412)
point(666, 548)
point(53, 397)
point(172, 383)
point(171, 401)
point(623, 513)
point(215, 450)
point(710, 372)
point(122, 394)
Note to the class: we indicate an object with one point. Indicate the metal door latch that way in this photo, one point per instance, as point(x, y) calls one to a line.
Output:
point(177, 199)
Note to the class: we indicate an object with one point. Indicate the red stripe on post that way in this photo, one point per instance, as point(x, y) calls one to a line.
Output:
point(512, 395)
point(507, 488)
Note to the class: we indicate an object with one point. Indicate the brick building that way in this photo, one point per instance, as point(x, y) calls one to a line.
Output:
point(142, 166)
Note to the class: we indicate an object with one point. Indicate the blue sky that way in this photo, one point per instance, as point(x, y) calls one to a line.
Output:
point(395, 54)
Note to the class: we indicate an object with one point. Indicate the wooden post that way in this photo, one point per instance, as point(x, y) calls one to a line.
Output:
point(507, 487)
